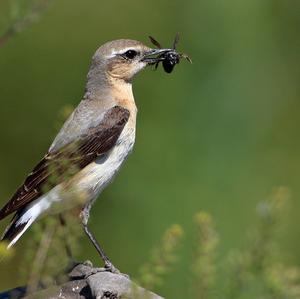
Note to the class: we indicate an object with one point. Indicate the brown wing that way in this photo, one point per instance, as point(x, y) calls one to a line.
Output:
point(57, 167)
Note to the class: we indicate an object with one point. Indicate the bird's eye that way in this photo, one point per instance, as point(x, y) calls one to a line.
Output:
point(130, 54)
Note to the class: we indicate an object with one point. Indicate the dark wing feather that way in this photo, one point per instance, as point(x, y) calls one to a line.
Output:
point(57, 167)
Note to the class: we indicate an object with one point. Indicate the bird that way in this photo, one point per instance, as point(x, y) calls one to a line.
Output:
point(91, 146)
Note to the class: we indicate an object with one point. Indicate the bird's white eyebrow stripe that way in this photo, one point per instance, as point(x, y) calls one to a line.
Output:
point(116, 52)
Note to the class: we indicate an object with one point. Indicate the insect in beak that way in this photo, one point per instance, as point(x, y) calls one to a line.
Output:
point(154, 55)
point(168, 57)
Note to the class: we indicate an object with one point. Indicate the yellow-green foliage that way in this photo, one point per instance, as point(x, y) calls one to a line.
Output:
point(48, 250)
point(162, 258)
point(253, 272)
point(203, 265)
point(5, 254)
point(256, 271)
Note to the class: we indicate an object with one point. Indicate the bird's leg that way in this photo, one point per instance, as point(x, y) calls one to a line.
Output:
point(85, 214)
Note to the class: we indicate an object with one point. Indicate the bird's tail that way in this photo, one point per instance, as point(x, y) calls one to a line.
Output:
point(18, 225)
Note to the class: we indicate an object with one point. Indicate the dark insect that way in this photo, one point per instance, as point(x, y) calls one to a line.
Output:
point(169, 58)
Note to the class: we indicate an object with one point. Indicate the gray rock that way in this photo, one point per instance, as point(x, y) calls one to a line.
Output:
point(87, 282)
point(107, 285)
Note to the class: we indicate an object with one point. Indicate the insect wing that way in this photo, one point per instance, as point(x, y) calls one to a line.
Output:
point(155, 42)
point(176, 40)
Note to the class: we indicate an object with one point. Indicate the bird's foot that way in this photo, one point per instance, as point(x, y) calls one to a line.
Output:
point(111, 268)
point(86, 269)
point(108, 266)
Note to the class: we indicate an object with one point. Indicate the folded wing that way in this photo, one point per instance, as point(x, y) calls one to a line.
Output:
point(56, 167)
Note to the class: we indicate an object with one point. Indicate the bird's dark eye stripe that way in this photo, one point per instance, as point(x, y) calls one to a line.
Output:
point(130, 54)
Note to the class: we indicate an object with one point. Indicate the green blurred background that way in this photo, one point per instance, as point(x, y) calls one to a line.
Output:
point(216, 135)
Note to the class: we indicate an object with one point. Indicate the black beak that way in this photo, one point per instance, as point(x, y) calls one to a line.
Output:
point(154, 55)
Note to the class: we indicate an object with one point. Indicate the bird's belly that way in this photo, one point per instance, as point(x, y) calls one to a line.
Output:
point(94, 177)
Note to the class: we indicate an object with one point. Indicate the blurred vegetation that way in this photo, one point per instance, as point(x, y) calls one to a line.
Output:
point(213, 136)
point(162, 258)
point(204, 263)
point(256, 271)
point(21, 15)
point(51, 252)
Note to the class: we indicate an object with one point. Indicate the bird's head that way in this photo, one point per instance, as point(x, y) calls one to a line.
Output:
point(122, 59)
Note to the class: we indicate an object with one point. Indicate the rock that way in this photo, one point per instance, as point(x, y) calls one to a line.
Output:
point(106, 285)
point(87, 282)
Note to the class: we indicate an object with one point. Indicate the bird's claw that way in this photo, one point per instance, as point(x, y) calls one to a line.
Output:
point(111, 268)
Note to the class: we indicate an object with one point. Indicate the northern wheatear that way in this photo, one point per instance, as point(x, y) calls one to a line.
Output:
point(94, 142)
